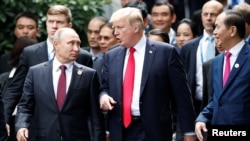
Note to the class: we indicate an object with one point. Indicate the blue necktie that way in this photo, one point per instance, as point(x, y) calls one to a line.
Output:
point(210, 48)
point(235, 2)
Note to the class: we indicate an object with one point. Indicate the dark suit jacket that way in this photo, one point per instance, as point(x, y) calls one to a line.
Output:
point(207, 82)
point(163, 76)
point(188, 54)
point(3, 131)
point(71, 122)
point(4, 63)
point(97, 65)
point(230, 105)
point(31, 56)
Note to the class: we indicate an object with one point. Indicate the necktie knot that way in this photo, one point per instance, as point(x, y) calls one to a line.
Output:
point(228, 54)
point(210, 38)
point(62, 67)
point(132, 50)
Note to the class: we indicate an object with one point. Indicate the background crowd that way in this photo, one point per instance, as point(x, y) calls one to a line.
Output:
point(174, 54)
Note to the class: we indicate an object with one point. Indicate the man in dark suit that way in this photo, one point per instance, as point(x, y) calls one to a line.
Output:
point(58, 16)
point(244, 9)
point(69, 121)
point(230, 100)
point(26, 24)
point(207, 77)
point(195, 52)
point(158, 76)
point(93, 38)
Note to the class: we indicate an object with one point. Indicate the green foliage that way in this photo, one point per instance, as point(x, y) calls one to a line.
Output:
point(82, 12)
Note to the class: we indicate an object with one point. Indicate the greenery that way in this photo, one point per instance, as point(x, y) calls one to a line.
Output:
point(82, 11)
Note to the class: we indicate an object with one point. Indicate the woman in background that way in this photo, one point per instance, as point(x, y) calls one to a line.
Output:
point(6, 77)
point(185, 30)
point(158, 35)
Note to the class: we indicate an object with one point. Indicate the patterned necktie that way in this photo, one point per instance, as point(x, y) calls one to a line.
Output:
point(61, 88)
point(227, 68)
point(128, 86)
point(210, 48)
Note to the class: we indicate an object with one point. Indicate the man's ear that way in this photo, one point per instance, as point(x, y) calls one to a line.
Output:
point(55, 44)
point(233, 30)
point(173, 18)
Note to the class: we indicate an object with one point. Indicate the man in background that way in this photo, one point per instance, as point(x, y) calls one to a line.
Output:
point(26, 24)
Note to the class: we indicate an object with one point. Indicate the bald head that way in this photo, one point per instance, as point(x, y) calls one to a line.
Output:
point(66, 43)
point(210, 11)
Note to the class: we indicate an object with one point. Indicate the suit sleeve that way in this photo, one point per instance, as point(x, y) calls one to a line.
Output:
point(181, 93)
point(3, 131)
point(26, 104)
point(15, 88)
point(97, 118)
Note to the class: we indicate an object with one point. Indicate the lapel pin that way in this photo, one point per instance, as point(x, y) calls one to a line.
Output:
point(150, 51)
point(236, 65)
point(79, 72)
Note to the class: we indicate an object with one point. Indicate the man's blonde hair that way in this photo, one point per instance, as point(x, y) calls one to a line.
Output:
point(132, 15)
point(60, 9)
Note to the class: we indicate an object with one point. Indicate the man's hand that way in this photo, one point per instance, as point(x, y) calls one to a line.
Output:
point(22, 134)
point(106, 102)
point(200, 127)
point(8, 129)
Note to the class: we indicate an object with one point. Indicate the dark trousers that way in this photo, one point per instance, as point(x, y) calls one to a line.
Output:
point(135, 131)
point(12, 136)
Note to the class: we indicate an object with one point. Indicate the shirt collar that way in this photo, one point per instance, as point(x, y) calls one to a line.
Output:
point(50, 46)
point(237, 48)
point(57, 64)
point(205, 35)
point(141, 44)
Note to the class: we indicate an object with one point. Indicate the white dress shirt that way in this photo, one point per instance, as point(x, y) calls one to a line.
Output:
point(200, 59)
point(235, 52)
point(56, 72)
point(50, 50)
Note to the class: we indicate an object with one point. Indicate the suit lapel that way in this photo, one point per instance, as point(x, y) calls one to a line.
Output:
point(119, 68)
point(241, 59)
point(218, 72)
point(77, 73)
point(47, 71)
point(148, 59)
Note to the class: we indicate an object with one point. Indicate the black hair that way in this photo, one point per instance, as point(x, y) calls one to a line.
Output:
point(142, 6)
point(160, 33)
point(235, 18)
point(191, 24)
point(27, 15)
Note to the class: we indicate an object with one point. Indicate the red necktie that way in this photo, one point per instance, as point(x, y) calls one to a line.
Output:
point(227, 68)
point(128, 86)
point(61, 88)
